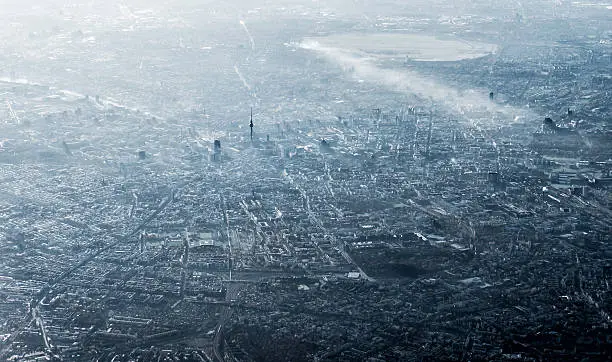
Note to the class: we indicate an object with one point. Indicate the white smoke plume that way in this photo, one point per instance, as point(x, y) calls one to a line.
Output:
point(465, 102)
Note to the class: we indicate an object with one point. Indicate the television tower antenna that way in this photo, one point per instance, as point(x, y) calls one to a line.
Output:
point(251, 124)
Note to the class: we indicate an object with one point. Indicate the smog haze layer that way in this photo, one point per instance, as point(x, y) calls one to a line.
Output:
point(139, 52)
point(305, 180)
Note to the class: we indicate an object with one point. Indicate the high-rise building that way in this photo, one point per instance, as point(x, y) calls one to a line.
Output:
point(216, 150)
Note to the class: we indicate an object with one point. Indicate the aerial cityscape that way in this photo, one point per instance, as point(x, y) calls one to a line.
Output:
point(293, 180)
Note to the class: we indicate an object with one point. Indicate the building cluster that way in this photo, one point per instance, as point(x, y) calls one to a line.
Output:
point(383, 235)
point(399, 231)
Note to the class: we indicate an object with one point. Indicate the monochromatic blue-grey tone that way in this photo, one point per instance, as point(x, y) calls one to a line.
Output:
point(305, 180)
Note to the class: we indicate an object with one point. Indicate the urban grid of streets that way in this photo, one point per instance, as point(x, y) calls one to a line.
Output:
point(361, 222)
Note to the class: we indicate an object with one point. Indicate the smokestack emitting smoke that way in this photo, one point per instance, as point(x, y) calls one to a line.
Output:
point(410, 82)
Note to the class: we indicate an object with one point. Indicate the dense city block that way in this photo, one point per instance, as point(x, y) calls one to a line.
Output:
point(257, 188)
